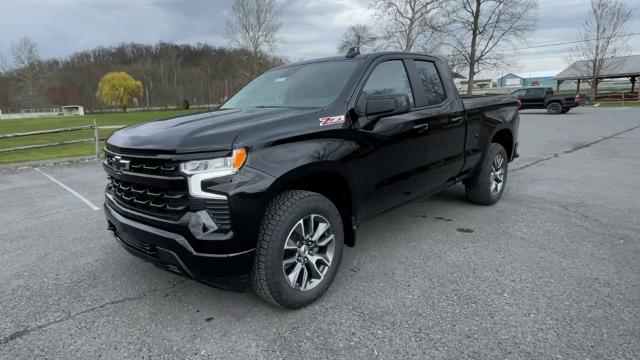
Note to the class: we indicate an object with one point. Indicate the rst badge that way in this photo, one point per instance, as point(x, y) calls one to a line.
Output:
point(331, 120)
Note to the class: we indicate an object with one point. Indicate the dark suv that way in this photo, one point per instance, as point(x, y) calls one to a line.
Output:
point(274, 183)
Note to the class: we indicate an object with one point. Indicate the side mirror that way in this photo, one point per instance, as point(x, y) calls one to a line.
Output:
point(378, 106)
point(386, 105)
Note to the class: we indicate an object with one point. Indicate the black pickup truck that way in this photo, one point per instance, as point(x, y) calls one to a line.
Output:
point(270, 187)
point(544, 98)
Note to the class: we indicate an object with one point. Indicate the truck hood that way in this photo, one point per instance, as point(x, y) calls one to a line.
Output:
point(203, 132)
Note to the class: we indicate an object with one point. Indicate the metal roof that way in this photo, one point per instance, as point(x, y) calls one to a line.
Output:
point(531, 74)
point(536, 74)
point(613, 67)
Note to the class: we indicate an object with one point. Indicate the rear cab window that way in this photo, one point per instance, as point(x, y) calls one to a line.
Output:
point(430, 82)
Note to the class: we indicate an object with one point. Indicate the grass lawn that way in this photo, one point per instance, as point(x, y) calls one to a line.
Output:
point(80, 149)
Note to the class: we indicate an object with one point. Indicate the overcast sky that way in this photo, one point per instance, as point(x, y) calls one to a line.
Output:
point(311, 28)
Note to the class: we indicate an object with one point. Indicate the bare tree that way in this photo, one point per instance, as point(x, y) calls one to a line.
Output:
point(455, 63)
point(4, 64)
point(407, 23)
point(170, 73)
point(254, 25)
point(26, 63)
point(480, 27)
point(601, 38)
point(359, 36)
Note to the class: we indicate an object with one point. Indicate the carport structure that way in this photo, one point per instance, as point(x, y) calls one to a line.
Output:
point(614, 68)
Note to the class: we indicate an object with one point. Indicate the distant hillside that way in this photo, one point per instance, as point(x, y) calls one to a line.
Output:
point(170, 73)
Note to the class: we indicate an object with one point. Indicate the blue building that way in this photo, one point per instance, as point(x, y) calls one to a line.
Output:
point(526, 80)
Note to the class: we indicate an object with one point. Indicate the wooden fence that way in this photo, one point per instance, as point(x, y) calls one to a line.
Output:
point(95, 138)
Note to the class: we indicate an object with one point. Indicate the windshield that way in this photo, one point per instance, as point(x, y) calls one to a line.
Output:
point(307, 85)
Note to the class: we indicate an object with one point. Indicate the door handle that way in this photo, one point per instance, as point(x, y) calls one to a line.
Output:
point(421, 127)
point(456, 119)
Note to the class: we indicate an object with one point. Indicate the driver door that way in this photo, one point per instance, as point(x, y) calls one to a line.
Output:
point(389, 165)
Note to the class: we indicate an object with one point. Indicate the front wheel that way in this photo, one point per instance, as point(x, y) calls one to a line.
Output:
point(299, 249)
point(487, 187)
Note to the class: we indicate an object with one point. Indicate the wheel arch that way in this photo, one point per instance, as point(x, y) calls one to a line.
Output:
point(325, 178)
point(504, 137)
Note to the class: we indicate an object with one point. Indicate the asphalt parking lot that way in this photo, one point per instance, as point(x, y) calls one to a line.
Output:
point(551, 271)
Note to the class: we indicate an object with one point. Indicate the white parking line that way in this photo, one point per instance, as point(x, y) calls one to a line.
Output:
point(84, 200)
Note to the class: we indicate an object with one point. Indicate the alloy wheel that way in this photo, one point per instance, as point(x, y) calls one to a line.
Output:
point(497, 174)
point(308, 252)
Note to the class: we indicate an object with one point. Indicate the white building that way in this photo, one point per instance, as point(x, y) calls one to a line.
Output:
point(73, 110)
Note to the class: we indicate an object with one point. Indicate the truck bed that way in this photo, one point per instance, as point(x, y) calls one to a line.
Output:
point(476, 102)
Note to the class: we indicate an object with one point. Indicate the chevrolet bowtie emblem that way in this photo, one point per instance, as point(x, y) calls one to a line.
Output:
point(121, 164)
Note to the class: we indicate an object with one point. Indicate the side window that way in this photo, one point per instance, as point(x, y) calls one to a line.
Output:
point(535, 93)
point(518, 93)
point(431, 82)
point(389, 78)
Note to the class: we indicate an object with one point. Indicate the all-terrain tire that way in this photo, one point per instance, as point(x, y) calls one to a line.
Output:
point(480, 189)
point(284, 212)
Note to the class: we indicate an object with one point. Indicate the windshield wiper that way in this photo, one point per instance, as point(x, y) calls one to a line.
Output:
point(270, 106)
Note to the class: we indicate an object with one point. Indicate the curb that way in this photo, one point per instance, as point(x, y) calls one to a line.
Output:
point(45, 163)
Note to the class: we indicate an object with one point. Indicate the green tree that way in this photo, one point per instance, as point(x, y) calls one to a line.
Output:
point(118, 88)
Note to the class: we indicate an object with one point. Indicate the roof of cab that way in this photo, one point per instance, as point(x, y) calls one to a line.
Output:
point(357, 57)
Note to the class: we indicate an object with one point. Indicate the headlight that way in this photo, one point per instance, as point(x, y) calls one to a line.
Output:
point(199, 170)
point(220, 166)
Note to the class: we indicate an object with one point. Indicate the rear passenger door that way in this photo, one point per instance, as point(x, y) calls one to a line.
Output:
point(441, 112)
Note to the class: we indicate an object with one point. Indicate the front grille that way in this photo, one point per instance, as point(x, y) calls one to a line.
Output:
point(148, 198)
point(219, 211)
point(156, 187)
point(144, 165)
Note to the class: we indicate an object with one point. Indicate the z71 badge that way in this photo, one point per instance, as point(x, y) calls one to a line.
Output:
point(331, 120)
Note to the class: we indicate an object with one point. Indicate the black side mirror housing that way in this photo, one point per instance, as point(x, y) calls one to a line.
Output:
point(378, 106)
point(387, 105)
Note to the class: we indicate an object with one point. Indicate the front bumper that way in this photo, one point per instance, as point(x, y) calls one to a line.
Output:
point(172, 252)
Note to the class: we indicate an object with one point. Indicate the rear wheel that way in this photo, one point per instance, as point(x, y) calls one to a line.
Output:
point(554, 108)
point(299, 249)
point(487, 187)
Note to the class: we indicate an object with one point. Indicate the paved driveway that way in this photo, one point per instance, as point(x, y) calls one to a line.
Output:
point(551, 271)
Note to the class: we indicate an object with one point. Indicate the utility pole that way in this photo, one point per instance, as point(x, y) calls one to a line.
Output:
point(208, 85)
